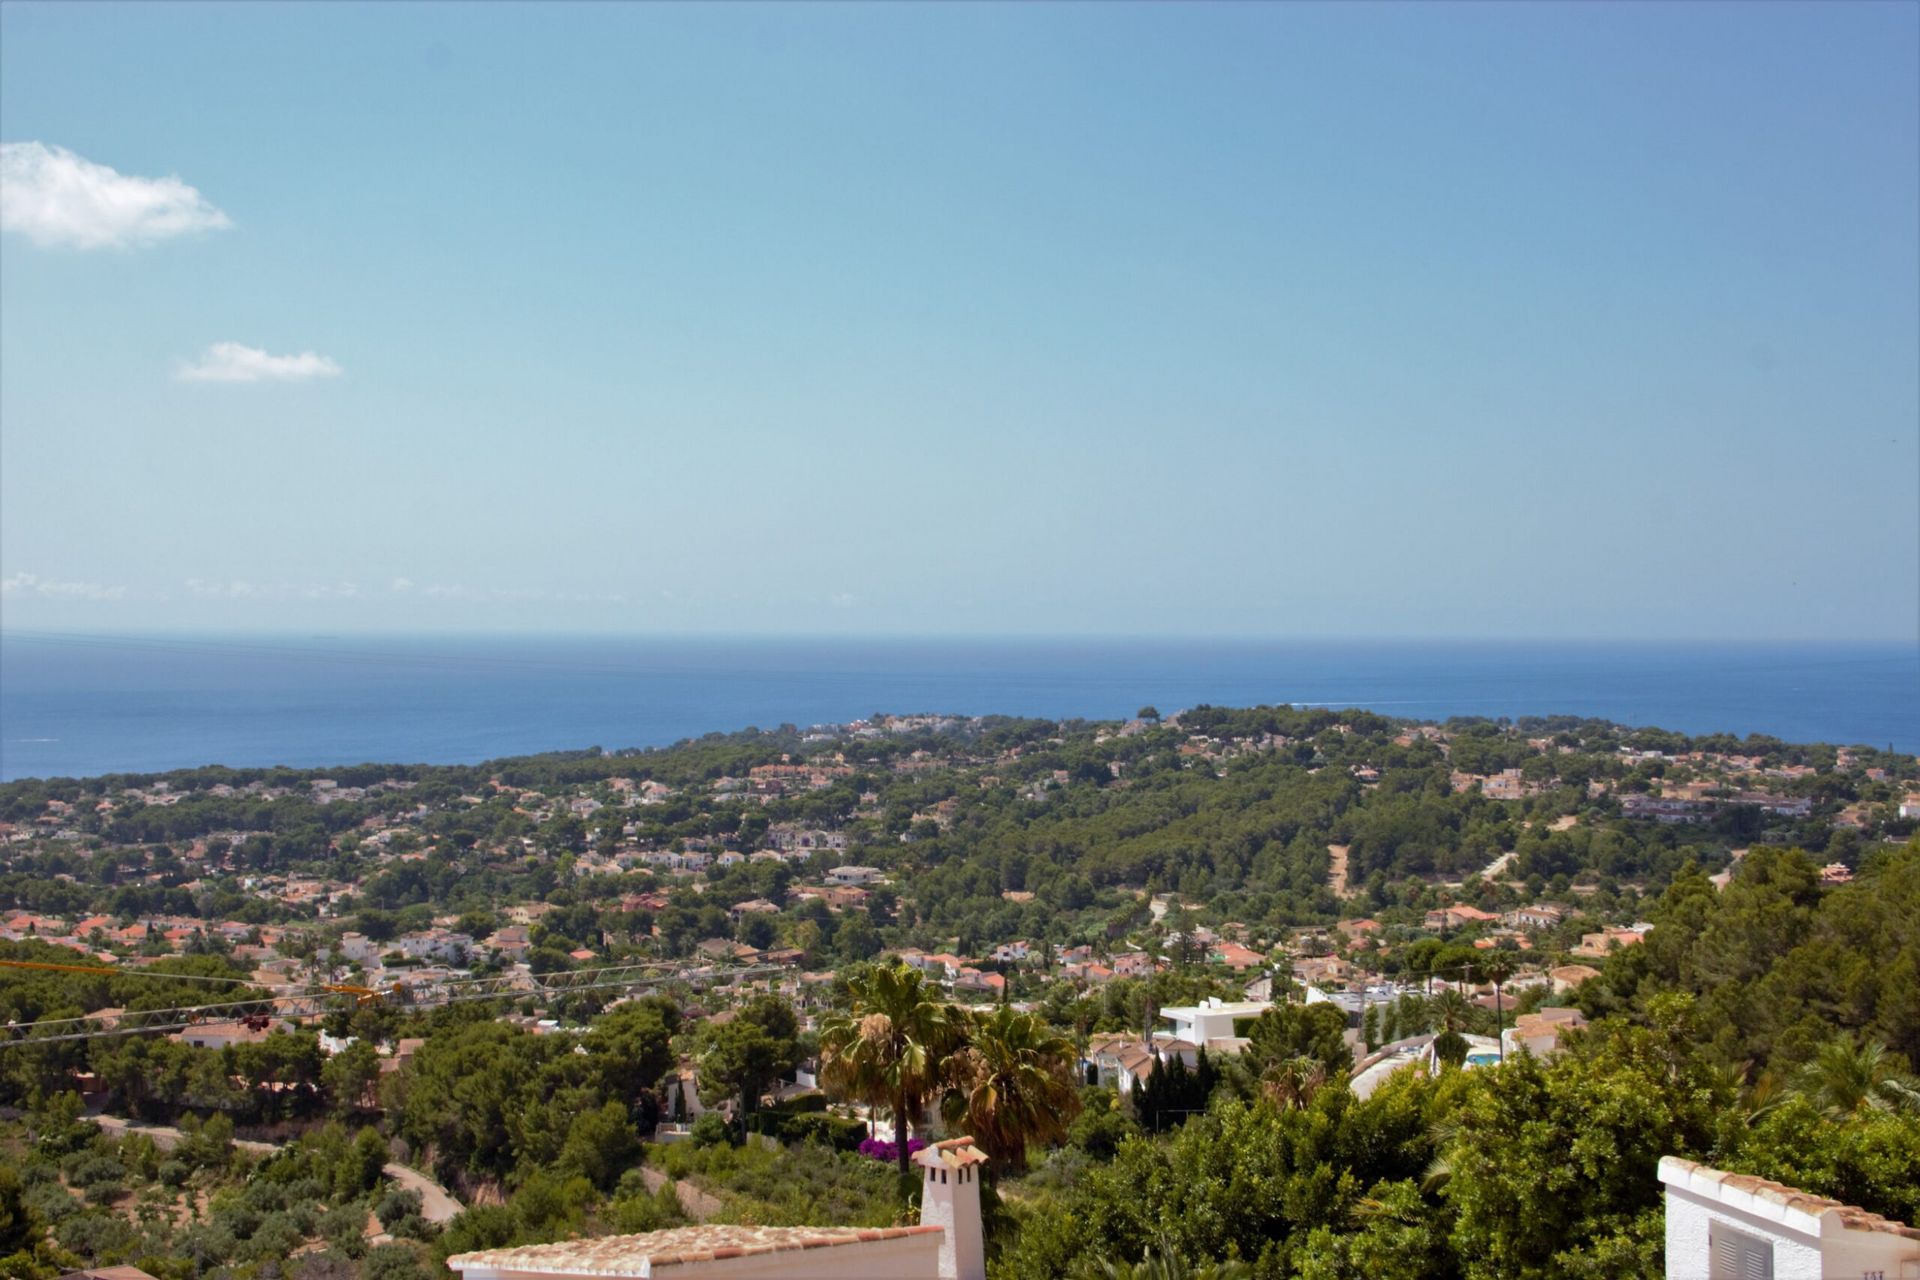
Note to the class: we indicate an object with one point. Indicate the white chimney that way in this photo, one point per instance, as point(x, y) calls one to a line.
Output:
point(950, 1198)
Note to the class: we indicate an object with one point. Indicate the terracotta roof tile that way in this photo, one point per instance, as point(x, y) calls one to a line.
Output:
point(1852, 1216)
point(954, 1153)
point(631, 1255)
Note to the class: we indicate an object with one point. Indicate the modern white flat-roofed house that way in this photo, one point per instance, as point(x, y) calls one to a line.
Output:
point(1733, 1226)
point(947, 1245)
point(1210, 1021)
point(853, 875)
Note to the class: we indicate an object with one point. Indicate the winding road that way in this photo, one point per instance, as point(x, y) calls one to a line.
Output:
point(437, 1204)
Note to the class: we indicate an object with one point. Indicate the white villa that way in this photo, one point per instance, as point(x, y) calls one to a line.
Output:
point(358, 947)
point(435, 944)
point(1210, 1023)
point(947, 1245)
point(1732, 1226)
point(1540, 1033)
point(220, 1035)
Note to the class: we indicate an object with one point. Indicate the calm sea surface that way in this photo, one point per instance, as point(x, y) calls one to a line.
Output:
point(78, 705)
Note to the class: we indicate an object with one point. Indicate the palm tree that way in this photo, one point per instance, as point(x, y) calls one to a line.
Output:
point(1449, 1011)
point(1756, 1096)
point(1497, 966)
point(888, 1050)
point(1012, 1084)
point(1763, 1096)
point(1293, 1082)
point(1847, 1075)
point(1408, 1015)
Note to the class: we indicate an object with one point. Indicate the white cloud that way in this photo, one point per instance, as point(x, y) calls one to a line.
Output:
point(29, 584)
point(248, 590)
point(332, 591)
point(235, 590)
point(220, 590)
point(60, 200)
point(514, 595)
point(240, 589)
point(234, 362)
point(460, 591)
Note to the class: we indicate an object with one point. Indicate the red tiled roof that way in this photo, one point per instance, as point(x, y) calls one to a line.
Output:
point(631, 1255)
point(1852, 1217)
point(954, 1153)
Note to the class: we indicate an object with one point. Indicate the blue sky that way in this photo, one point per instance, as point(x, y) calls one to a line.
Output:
point(1595, 320)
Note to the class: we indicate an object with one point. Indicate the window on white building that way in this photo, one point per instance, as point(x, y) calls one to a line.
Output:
point(1739, 1256)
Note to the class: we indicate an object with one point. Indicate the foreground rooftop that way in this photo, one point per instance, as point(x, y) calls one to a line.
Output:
point(646, 1253)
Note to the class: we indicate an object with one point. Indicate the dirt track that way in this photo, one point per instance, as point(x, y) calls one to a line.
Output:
point(436, 1202)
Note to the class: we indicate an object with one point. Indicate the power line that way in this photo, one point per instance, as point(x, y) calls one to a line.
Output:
point(107, 971)
point(297, 1005)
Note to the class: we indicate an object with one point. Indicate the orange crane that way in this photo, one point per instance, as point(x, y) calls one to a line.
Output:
point(244, 1011)
point(317, 999)
point(364, 995)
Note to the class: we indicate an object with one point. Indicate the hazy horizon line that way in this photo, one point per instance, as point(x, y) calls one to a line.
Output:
point(1041, 637)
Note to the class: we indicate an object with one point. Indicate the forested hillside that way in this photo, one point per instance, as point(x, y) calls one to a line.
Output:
point(569, 987)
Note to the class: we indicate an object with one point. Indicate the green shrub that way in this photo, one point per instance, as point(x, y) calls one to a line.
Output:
point(837, 1132)
point(396, 1204)
point(643, 1211)
point(802, 1185)
point(484, 1226)
point(138, 1153)
point(413, 1227)
point(1099, 1133)
point(105, 1193)
point(51, 1202)
point(93, 1170)
point(238, 1216)
point(277, 1237)
point(343, 1227)
point(393, 1262)
point(206, 1245)
point(36, 1172)
point(710, 1130)
point(96, 1234)
point(305, 1214)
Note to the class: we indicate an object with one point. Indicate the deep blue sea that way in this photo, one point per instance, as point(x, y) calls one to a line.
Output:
point(90, 704)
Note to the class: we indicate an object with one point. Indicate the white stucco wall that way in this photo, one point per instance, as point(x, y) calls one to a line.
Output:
point(950, 1198)
point(1201, 1023)
point(1850, 1255)
point(1690, 1219)
point(1810, 1237)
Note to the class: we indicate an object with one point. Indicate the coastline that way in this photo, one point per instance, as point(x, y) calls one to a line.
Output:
point(85, 706)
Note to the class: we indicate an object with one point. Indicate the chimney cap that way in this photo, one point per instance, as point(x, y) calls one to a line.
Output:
point(954, 1153)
